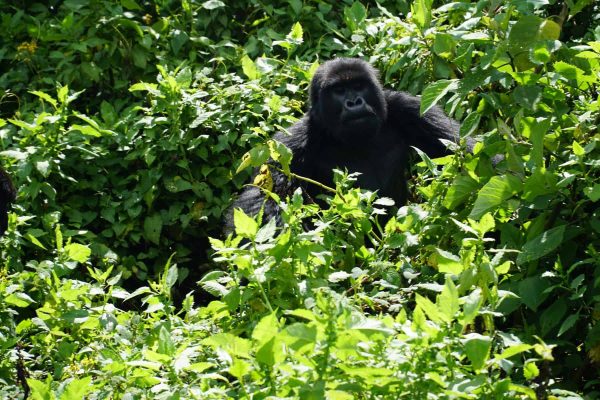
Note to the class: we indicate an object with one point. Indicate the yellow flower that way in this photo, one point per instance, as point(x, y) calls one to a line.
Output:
point(264, 179)
point(594, 353)
point(27, 47)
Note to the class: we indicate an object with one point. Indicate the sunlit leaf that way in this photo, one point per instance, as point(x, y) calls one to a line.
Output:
point(477, 347)
point(494, 193)
point(541, 245)
point(77, 252)
point(435, 92)
point(244, 225)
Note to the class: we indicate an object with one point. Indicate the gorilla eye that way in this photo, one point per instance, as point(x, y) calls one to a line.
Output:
point(358, 85)
point(339, 90)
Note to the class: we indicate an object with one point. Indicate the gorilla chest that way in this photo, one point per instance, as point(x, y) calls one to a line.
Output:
point(381, 167)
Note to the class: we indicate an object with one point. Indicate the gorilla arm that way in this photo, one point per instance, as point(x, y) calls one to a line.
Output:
point(421, 131)
point(253, 198)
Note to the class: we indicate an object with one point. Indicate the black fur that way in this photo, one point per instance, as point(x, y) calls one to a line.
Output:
point(7, 196)
point(354, 123)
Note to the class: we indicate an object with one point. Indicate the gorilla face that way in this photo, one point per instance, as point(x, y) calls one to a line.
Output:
point(348, 101)
point(348, 108)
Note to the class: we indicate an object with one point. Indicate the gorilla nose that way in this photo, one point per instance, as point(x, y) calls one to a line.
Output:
point(355, 104)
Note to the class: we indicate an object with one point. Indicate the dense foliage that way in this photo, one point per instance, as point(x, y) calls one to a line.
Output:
point(128, 125)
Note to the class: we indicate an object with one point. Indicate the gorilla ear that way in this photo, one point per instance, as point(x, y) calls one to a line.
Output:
point(315, 86)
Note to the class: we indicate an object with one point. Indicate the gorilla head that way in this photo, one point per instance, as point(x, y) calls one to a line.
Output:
point(347, 100)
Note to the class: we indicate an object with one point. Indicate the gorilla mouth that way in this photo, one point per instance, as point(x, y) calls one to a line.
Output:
point(358, 117)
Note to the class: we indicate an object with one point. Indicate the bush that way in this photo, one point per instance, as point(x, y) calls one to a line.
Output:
point(123, 124)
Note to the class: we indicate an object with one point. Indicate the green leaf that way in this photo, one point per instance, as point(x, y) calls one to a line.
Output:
point(528, 96)
point(541, 182)
point(275, 103)
point(266, 329)
point(447, 301)
point(148, 87)
point(257, 155)
point(552, 316)
point(43, 168)
point(232, 344)
point(371, 326)
point(447, 262)
point(86, 130)
point(244, 225)
point(130, 5)
point(524, 32)
point(249, 68)
point(214, 288)
point(573, 73)
point(520, 38)
point(514, 350)
point(477, 348)
point(62, 93)
point(296, 33)
point(541, 245)
point(338, 276)
point(212, 4)
point(59, 238)
point(18, 299)
point(33, 239)
point(300, 337)
point(421, 13)
point(24, 125)
point(45, 97)
point(593, 193)
point(471, 307)
point(140, 56)
point(494, 193)
point(469, 125)
point(301, 313)
point(282, 154)
point(171, 275)
point(540, 53)
point(239, 368)
point(153, 227)
point(339, 395)
point(40, 390)
point(568, 323)
point(549, 30)
point(532, 291)
point(166, 345)
point(78, 252)
point(575, 7)
point(355, 15)
point(429, 308)
point(461, 189)
point(77, 389)
point(444, 45)
point(535, 129)
point(530, 370)
point(177, 184)
point(435, 92)
point(577, 149)
point(271, 352)
point(267, 231)
point(178, 40)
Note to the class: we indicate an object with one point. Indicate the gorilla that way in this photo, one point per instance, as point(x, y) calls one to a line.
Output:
point(354, 124)
point(7, 196)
